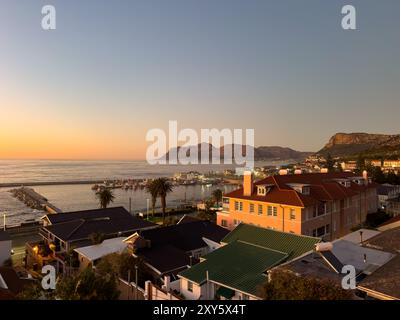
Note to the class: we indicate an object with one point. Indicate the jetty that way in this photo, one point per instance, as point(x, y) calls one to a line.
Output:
point(34, 200)
point(47, 183)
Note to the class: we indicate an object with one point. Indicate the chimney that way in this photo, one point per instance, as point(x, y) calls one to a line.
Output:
point(247, 183)
point(365, 176)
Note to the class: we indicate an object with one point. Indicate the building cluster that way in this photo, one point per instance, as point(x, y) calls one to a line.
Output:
point(302, 224)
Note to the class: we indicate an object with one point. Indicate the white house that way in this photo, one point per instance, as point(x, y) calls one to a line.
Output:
point(5, 247)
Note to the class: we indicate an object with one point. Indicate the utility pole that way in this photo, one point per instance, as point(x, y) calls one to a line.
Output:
point(136, 281)
point(130, 205)
point(4, 222)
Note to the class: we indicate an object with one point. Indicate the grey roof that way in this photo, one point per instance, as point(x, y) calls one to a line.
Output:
point(4, 236)
point(81, 224)
point(170, 246)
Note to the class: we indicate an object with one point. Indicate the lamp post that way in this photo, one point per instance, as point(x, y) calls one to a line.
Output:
point(148, 206)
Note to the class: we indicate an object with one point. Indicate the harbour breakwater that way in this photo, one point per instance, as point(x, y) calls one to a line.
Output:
point(34, 200)
point(47, 183)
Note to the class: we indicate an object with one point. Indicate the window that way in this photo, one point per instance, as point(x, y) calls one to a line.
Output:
point(224, 223)
point(240, 206)
point(292, 214)
point(245, 296)
point(321, 231)
point(260, 209)
point(225, 200)
point(251, 207)
point(275, 211)
point(261, 191)
point(190, 286)
point(269, 212)
point(236, 206)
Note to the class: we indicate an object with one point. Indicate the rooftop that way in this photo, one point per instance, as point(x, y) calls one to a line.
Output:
point(169, 247)
point(323, 187)
point(81, 224)
point(238, 265)
point(249, 251)
point(385, 281)
point(292, 244)
point(94, 252)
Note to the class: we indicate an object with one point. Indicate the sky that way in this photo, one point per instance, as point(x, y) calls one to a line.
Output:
point(112, 70)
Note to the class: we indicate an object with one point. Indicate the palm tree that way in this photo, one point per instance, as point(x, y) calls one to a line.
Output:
point(105, 197)
point(163, 188)
point(217, 196)
point(152, 188)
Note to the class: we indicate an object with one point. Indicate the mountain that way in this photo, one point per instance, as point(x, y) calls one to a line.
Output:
point(260, 153)
point(349, 144)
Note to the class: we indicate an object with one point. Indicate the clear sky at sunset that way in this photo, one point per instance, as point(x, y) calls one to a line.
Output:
point(112, 70)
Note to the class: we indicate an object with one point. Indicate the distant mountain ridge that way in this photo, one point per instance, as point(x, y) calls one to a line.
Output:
point(348, 144)
point(260, 153)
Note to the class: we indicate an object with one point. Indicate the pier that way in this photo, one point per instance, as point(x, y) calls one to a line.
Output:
point(47, 183)
point(34, 200)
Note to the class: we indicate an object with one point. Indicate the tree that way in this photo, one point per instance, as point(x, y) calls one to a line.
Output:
point(330, 163)
point(360, 165)
point(377, 175)
point(88, 285)
point(152, 189)
point(392, 178)
point(163, 188)
point(217, 196)
point(285, 285)
point(121, 265)
point(105, 197)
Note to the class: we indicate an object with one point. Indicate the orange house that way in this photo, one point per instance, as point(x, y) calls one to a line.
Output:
point(326, 205)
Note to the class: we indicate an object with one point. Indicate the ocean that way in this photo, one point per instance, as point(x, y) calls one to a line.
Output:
point(81, 197)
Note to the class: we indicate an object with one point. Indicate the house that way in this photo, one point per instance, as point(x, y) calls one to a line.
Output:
point(171, 249)
point(89, 256)
point(387, 192)
point(326, 205)
point(393, 206)
point(236, 270)
point(63, 232)
point(326, 262)
point(384, 283)
point(5, 247)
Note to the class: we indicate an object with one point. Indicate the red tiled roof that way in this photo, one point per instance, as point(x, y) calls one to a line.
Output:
point(323, 187)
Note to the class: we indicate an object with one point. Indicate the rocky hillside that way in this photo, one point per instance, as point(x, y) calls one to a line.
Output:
point(260, 153)
point(347, 144)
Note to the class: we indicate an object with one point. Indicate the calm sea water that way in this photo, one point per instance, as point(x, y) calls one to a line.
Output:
point(80, 197)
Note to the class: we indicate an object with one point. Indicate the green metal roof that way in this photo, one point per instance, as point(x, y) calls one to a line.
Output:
point(238, 265)
point(294, 245)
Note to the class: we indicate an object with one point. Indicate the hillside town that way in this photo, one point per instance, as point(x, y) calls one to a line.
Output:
point(289, 227)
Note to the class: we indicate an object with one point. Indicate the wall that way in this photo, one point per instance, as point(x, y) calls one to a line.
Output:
point(199, 292)
point(281, 222)
point(5, 251)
